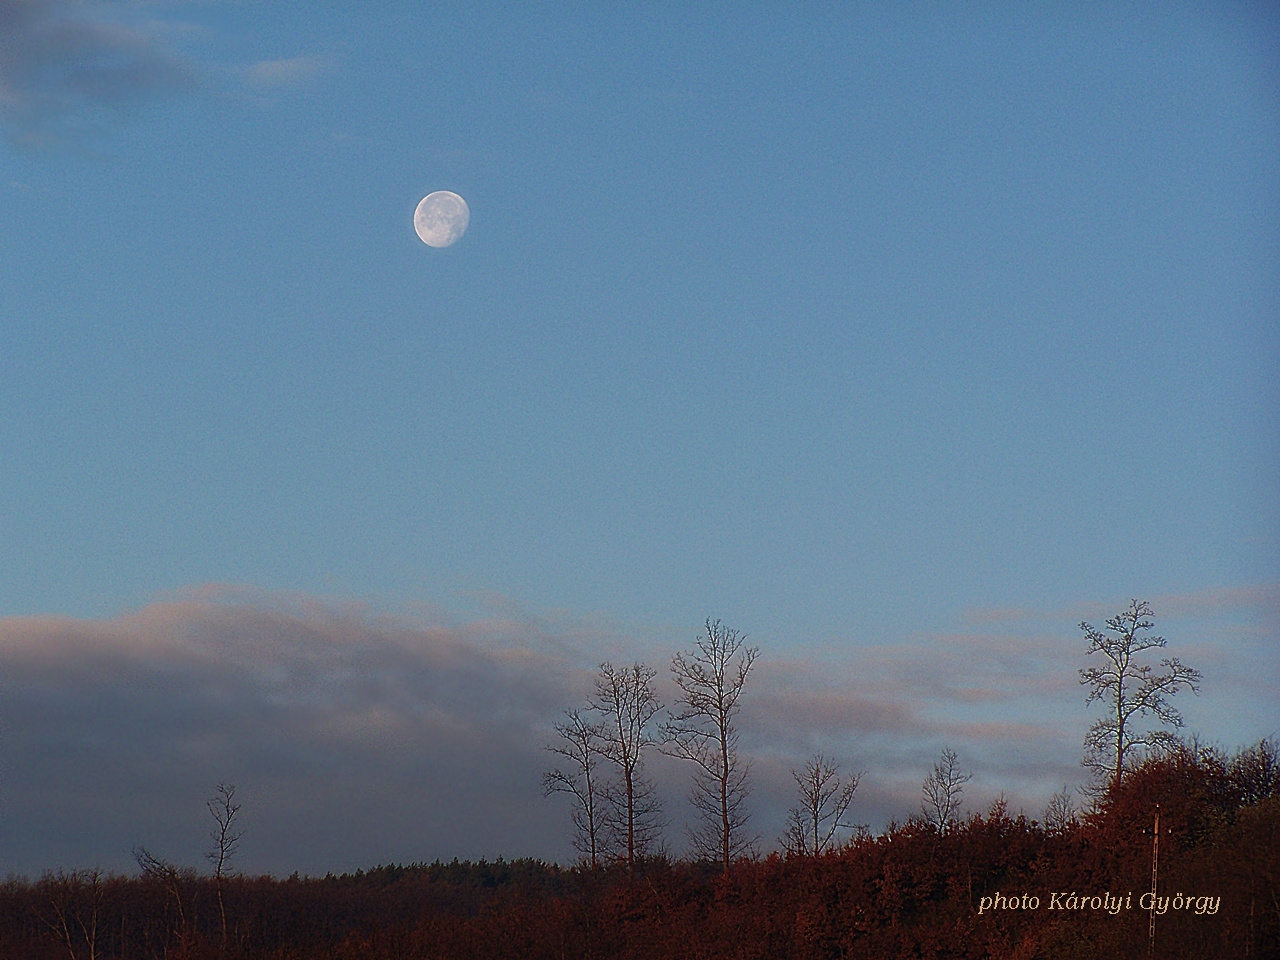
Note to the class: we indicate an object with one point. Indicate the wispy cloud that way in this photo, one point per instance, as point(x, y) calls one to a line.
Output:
point(286, 72)
point(986, 615)
point(1260, 600)
point(64, 76)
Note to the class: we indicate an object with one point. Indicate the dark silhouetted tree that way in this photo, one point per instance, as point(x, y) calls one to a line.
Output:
point(1254, 773)
point(626, 702)
point(711, 678)
point(226, 835)
point(824, 800)
point(1130, 690)
point(942, 790)
point(1060, 812)
point(581, 745)
point(175, 881)
point(72, 911)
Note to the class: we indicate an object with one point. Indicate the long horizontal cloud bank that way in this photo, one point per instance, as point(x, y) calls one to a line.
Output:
point(352, 739)
point(356, 738)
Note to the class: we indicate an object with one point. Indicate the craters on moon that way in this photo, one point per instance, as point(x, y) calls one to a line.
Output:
point(441, 218)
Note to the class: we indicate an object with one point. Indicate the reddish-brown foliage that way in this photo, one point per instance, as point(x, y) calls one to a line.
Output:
point(910, 892)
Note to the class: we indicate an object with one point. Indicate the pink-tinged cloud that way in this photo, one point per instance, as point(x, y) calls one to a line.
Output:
point(802, 714)
point(983, 616)
point(1260, 601)
point(285, 72)
point(1262, 598)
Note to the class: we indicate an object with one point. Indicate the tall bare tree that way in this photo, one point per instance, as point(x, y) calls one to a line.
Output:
point(711, 678)
point(225, 834)
point(1130, 690)
point(581, 745)
point(942, 790)
point(625, 699)
point(824, 800)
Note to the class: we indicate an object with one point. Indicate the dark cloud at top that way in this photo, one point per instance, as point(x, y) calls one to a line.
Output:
point(63, 76)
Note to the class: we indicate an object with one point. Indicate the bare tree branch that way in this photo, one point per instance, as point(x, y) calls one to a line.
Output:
point(942, 790)
point(627, 704)
point(1130, 690)
point(173, 879)
point(824, 800)
point(75, 901)
point(1060, 812)
point(711, 678)
point(580, 744)
point(226, 841)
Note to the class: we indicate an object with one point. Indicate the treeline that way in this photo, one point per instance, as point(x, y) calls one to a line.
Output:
point(912, 891)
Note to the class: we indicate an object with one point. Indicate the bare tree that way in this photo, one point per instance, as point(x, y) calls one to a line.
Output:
point(75, 901)
point(1254, 773)
point(1060, 812)
point(627, 704)
point(226, 835)
point(711, 678)
point(942, 790)
point(1130, 690)
point(174, 880)
point(824, 800)
point(580, 744)
point(646, 821)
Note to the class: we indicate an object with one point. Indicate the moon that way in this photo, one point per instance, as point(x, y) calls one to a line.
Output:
point(441, 218)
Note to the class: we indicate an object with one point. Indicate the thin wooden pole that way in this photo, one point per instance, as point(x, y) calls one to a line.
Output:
point(1155, 868)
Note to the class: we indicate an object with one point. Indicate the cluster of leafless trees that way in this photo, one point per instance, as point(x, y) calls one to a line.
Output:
point(616, 810)
point(617, 814)
point(176, 882)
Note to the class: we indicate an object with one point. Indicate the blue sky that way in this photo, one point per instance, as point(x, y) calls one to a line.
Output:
point(852, 327)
